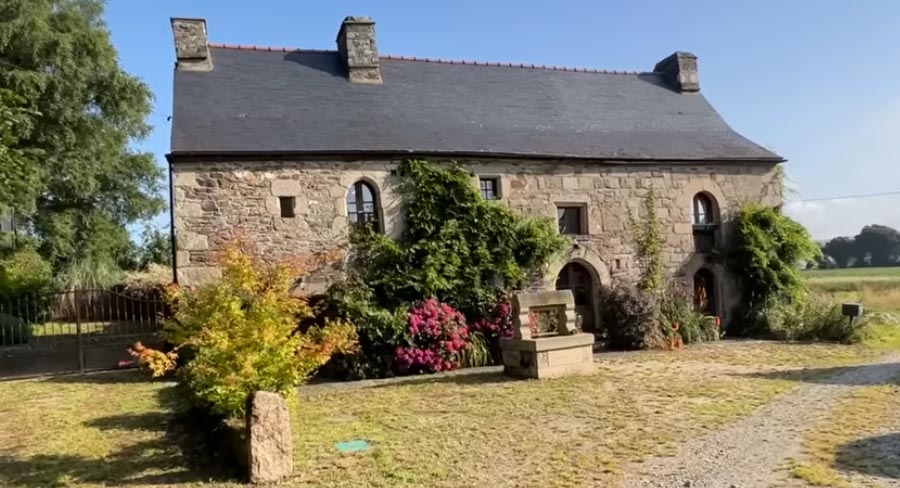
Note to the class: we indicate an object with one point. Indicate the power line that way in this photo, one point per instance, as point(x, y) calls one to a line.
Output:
point(845, 197)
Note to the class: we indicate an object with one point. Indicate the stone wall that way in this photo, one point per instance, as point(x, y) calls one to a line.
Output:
point(217, 202)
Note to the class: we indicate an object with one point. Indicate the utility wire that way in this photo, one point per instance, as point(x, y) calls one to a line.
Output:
point(845, 197)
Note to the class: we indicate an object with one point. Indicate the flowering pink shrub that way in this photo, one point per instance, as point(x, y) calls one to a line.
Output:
point(498, 323)
point(439, 333)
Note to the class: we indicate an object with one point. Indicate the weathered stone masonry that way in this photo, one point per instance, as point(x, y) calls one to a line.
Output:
point(220, 201)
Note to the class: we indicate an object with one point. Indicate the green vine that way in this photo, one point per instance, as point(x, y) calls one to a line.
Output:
point(649, 246)
point(767, 247)
point(456, 246)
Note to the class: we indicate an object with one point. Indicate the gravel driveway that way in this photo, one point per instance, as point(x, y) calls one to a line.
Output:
point(748, 453)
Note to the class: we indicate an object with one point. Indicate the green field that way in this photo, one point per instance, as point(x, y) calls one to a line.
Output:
point(878, 289)
point(887, 273)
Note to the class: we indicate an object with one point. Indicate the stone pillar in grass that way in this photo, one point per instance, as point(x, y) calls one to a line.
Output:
point(270, 446)
point(561, 351)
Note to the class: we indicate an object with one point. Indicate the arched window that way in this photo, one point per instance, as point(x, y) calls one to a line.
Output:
point(705, 292)
point(704, 210)
point(705, 217)
point(362, 206)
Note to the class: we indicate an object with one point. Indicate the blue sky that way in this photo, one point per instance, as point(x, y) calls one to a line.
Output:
point(814, 80)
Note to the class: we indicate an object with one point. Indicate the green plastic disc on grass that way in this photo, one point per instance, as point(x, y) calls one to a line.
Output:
point(356, 445)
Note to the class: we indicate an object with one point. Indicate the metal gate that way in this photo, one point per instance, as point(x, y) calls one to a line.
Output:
point(71, 331)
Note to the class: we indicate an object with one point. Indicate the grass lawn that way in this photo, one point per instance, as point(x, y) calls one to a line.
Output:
point(480, 430)
point(101, 430)
point(486, 431)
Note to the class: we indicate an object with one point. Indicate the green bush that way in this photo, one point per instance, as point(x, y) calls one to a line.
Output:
point(477, 352)
point(766, 249)
point(242, 332)
point(23, 273)
point(13, 330)
point(807, 320)
point(678, 314)
point(631, 319)
point(380, 331)
point(91, 274)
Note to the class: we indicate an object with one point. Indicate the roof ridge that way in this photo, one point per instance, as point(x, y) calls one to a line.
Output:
point(281, 49)
point(511, 65)
point(394, 57)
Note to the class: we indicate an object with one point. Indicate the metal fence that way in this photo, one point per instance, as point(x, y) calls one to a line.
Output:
point(75, 330)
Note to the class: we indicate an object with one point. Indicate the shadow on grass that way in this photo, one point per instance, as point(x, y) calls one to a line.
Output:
point(865, 375)
point(466, 378)
point(872, 456)
point(102, 377)
point(178, 452)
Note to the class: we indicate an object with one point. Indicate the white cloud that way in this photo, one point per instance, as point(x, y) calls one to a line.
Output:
point(830, 218)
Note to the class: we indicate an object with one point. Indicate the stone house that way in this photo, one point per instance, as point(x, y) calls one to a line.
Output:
point(289, 148)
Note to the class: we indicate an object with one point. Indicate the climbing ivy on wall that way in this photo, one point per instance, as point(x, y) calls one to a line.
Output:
point(648, 240)
point(768, 246)
point(456, 246)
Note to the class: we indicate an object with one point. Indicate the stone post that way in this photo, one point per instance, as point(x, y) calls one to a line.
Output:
point(270, 446)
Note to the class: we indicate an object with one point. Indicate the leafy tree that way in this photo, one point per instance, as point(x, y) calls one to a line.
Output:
point(68, 114)
point(841, 249)
point(19, 171)
point(878, 245)
point(156, 248)
point(875, 245)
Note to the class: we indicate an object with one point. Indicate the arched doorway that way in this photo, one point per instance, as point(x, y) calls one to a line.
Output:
point(705, 292)
point(577, 278)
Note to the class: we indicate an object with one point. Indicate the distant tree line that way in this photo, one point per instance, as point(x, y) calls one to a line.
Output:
point(875, 245)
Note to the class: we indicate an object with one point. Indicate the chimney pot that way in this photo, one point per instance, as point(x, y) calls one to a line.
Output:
point(357, 47)
point(191, 46)
point(680, 69)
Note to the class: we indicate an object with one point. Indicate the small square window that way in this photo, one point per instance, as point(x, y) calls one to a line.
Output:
point(288, 204)
point(490, 188)
point(571, 220)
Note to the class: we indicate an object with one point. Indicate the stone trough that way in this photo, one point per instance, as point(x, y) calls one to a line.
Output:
point(563, 352)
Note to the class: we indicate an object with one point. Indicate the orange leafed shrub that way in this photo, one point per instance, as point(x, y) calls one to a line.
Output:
point(242, 333)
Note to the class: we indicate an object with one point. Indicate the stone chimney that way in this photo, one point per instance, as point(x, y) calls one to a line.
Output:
point(191, 48)
point(356, 44)
point(680, 69)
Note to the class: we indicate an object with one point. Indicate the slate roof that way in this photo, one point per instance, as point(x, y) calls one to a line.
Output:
point(297, 101)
